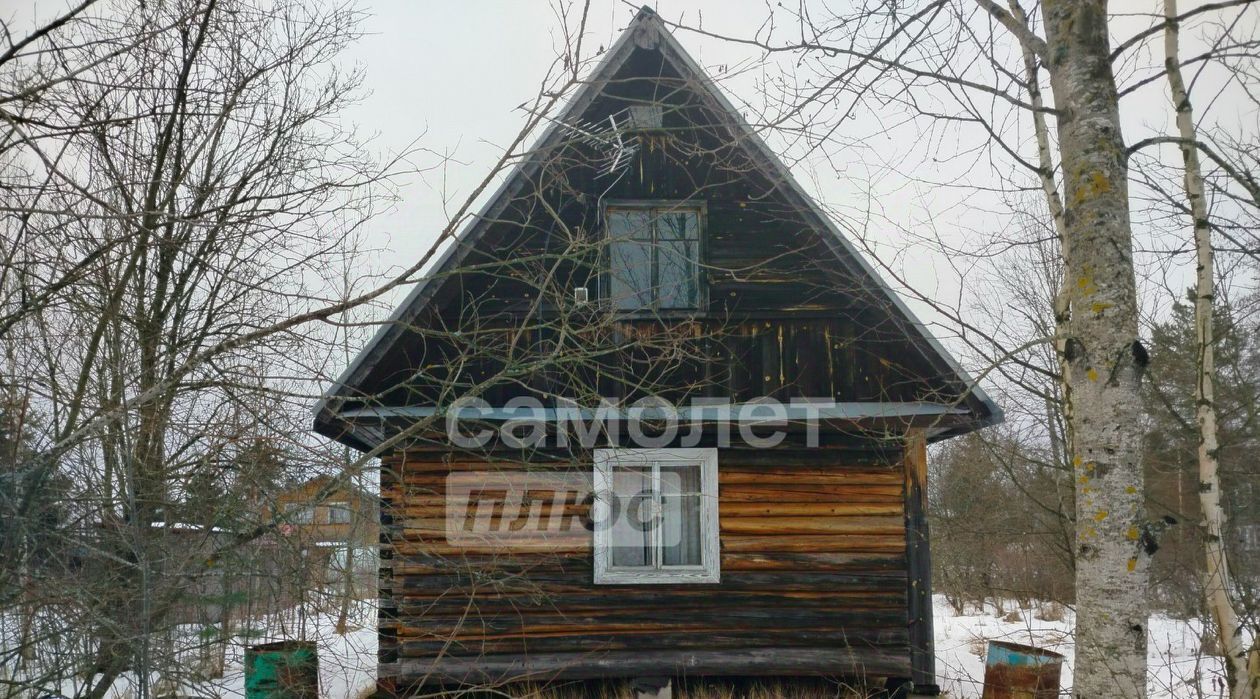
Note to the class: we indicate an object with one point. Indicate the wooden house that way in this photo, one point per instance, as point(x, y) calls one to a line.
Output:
point(338, 529)
point(651, 263)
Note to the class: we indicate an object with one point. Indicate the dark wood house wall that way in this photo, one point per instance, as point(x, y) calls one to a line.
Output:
point(782, 317)
point(815, 580)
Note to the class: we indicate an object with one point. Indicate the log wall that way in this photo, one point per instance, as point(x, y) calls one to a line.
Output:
point(813, 568)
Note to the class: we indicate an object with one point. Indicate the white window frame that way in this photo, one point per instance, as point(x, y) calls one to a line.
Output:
point(709, 570)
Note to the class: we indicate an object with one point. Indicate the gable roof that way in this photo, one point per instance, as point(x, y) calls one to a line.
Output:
point(646, 31)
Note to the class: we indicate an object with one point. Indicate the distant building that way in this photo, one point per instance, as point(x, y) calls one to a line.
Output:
point(341, 528)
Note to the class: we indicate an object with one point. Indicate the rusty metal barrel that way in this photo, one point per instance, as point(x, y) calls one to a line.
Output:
point(282, 670)
point(1015, 671)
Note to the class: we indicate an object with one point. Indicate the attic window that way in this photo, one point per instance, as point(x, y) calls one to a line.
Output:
point(655, 514)
point(654, 256)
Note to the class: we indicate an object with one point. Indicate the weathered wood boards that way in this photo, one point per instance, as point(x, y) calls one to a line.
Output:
point(783, 316)
point(840, 660)
point(919, 559)
point(814, 580)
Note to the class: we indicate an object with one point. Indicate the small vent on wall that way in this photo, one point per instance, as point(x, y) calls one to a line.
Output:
point(645, 117)
point(581, 295)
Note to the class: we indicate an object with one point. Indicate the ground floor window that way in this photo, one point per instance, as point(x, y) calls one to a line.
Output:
point(656, 516)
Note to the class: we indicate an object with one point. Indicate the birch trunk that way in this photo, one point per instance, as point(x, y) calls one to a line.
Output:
point(1217, 582)
point(1050, 189)
point(1045, 161)
point(1105, 359)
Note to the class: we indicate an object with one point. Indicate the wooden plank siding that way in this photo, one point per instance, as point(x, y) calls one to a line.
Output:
point(852, 359)
point(781, 316)
point(813, 581)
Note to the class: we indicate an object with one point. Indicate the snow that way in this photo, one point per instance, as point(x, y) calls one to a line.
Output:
point(347, 662)
point(1177, 669)
point(185, 527)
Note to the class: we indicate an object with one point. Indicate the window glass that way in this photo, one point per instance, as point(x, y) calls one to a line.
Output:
point(631, 275)
point(678, 286)
point(630, 224)
point(338, 513)
point(633, 518)
point(677, 225)
point(654, 258)
point(298, 513)
point(680, 515)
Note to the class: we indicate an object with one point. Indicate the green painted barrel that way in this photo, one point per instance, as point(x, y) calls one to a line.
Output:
point(282, 670)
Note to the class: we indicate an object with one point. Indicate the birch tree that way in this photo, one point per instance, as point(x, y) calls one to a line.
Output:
point(1104, 355)
point(1217, 582)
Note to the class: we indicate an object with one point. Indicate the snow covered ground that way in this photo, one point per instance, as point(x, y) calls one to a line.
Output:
point(1177, 670)
point(348, 661)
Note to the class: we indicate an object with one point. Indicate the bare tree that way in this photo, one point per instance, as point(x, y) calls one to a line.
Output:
point(176, 186)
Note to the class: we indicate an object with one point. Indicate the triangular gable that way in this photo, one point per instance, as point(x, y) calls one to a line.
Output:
point(646, 31)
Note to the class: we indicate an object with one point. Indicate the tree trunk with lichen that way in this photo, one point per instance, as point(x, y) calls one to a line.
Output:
point(1104, 358)
point(1217, 582)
